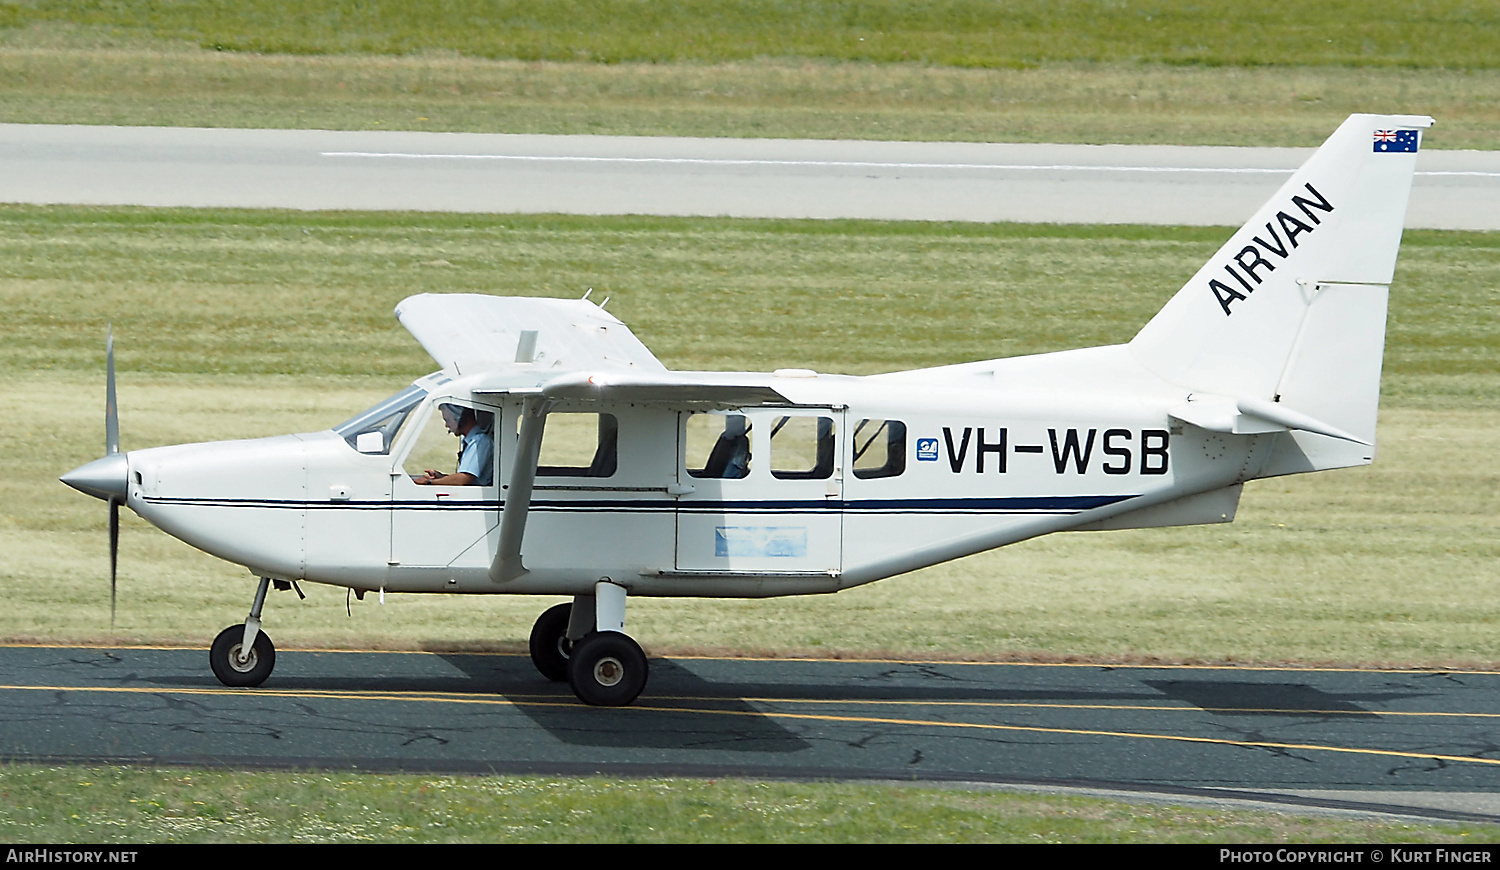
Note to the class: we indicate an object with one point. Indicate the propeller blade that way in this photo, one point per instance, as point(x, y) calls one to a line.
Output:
point(114, 554)
point(112, 447)
point(111, 415)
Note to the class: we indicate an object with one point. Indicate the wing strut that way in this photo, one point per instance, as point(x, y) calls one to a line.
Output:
point(507, 565)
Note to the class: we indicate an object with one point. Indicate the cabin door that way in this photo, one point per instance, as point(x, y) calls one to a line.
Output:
point(761, 491)
point(432, 525)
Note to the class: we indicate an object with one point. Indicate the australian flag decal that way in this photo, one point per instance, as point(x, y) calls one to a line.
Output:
point(1396, 141)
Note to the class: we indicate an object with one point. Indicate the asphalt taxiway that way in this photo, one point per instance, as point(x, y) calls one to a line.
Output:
point(1412, 742)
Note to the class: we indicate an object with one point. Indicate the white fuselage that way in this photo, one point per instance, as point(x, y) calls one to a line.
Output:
point(992, 453)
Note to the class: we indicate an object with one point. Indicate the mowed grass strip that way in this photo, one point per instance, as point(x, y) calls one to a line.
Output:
point(242, 324)
point(244, 292)
point(108, 805)
point(967, 33)
point(156, 64)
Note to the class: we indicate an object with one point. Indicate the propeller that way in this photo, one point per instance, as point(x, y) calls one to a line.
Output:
point(112, 448)
point(107, 478)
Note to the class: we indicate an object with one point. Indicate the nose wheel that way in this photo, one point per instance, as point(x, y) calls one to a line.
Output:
point(242, 655)
point(233, 665)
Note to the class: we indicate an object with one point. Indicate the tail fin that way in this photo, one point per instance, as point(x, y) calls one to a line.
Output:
point(1292, 309)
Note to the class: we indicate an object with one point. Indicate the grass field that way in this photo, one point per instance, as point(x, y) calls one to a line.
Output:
point(1093, 80)
point(1462, 34)
point(129, 805)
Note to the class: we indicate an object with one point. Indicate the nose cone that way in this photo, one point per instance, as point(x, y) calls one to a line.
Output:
point(106, 478)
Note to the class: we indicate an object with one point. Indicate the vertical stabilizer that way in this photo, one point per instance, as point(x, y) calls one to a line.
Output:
point(1292, 308)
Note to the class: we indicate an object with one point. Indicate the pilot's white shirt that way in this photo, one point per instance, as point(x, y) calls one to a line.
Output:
point(478, 455)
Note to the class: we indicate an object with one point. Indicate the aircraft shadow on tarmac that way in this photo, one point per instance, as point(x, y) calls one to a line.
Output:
point(1228, 697)
point(720, 704)
point(671, 714)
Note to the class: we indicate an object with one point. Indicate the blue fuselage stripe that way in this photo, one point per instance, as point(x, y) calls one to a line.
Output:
point(1008, 504)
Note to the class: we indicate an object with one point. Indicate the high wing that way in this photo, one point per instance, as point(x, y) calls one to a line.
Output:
point(695, 390)
point(564, 349)
point(467, 333)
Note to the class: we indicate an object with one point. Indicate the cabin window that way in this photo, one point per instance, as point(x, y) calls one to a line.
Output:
point(437, 449)
point(579, 445)
point(879, 448)
point(717, 446)
point(374, 431)
point(802, 448)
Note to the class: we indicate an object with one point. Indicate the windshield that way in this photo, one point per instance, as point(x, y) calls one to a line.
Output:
point(375, 430)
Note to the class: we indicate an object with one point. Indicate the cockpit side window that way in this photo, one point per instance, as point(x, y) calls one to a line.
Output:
point(374, 431)
point(436, 447)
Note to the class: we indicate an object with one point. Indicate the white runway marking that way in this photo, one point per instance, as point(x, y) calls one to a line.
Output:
point(837, 164)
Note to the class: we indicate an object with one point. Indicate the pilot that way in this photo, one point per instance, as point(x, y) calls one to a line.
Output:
point(475, 465)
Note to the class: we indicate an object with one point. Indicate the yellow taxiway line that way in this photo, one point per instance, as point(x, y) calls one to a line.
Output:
point(561, 701)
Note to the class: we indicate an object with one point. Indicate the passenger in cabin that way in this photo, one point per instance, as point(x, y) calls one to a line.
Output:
point(476, 465)
point(730, 458)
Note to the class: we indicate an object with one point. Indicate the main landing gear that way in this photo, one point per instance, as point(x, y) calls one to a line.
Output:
point(585, 643)
point(242, 655)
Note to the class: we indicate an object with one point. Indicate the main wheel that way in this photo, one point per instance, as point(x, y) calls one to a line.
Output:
point(224, 658)
point(607, 669)
point(550, 646)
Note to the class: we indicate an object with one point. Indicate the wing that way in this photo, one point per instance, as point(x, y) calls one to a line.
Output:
point(686, 390)
point(468, 333)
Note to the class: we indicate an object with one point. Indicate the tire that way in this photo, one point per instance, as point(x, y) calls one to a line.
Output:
point(223, 657)
point(550, 647)
point(607, 669)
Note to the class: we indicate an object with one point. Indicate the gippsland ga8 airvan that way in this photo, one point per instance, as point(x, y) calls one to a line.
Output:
point(590, 470)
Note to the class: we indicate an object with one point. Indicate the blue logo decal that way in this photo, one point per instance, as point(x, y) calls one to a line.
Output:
point(927, 449)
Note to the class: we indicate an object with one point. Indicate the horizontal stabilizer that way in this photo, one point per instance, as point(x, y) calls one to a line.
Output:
point(1252, 417)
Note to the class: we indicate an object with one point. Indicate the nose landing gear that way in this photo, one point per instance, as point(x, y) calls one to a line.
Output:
point(242, 655)
point(231, 665)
